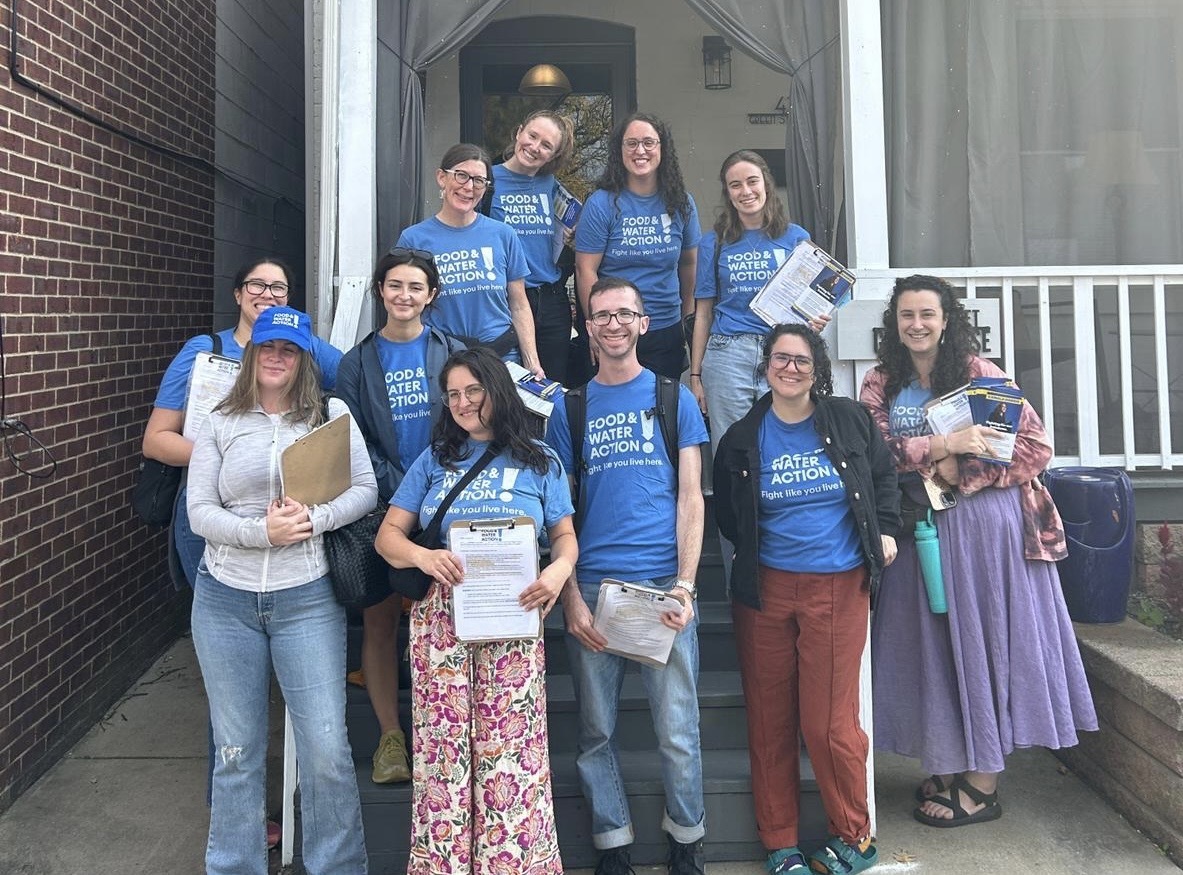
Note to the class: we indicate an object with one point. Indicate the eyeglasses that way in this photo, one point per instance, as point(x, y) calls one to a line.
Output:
point(471, 394)
point(624, 317)
point(648, 144)
point(780, 360)
point(463, 178)
point(257, 287)
point(401, 252)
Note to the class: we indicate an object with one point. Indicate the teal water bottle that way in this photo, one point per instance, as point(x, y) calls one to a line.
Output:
point(928, 550)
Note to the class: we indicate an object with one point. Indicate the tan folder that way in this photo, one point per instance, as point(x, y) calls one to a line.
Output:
point(316, 469)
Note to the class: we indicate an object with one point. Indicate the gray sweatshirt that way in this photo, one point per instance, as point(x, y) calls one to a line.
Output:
point(234, 476)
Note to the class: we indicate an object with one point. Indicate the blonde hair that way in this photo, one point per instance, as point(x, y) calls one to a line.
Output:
point(563, 151)
point(307, 401)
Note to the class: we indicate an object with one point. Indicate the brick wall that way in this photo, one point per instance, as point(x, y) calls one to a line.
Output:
point(105, 269)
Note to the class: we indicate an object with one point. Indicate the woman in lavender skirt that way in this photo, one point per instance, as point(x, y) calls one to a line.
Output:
point(1001, 670)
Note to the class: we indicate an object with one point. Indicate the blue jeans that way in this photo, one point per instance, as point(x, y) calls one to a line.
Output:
point(732, 386)
point(190, 547)
point(239, 636)
point(673, 700)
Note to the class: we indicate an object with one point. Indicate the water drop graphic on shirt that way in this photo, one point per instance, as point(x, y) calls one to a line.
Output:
point(647, 422)
point(487, 255)
point(507, 481)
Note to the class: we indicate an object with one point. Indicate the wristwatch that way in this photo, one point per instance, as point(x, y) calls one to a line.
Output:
point(688, 585)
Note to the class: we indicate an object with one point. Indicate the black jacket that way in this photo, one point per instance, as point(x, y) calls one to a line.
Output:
point(855, 449)
point(361, 384)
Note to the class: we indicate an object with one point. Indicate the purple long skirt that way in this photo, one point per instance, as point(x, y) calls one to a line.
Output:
point(1001, 670)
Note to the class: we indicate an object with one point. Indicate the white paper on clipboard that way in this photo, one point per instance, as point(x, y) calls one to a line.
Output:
point(209, 382)
point(500, 560)
point(628, 615)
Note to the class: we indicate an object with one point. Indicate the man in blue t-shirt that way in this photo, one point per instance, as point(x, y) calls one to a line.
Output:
point(640, 521)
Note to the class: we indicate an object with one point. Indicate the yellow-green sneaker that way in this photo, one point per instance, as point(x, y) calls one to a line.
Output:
point(390, 759)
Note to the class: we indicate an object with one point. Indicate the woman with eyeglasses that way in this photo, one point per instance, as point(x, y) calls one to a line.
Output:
point(258, 285)
point(523, 197)
point(390, 382)
point(482, 266)
point(482, 794)
point(263, 601)
point(805, 488)
point(641, 224)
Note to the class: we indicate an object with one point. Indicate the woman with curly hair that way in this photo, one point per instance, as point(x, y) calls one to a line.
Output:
point(523, 197)
point(641, 225)
point(482, 795)
point(806, 490)
point(1001, 670)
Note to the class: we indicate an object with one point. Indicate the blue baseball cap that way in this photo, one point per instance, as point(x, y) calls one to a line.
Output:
point(283, 323)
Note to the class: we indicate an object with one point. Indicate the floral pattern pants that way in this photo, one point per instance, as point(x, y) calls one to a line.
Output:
point(482, 797)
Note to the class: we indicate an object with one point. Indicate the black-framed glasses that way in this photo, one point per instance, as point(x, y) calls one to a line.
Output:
point(257, 287)
point(403, 252)
point(647, 143)
point(803, 364)
point(624, 317)
point(463, 177)
point(471, 394)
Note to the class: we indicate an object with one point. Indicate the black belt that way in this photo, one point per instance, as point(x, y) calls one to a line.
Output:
point(501, 345)
point(556, 286)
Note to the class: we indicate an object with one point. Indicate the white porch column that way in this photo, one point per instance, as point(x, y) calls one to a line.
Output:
point(355, 210)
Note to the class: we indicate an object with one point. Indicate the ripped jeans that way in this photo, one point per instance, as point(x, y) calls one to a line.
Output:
point(239, 637)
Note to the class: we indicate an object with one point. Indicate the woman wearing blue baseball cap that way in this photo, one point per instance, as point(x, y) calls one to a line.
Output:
point(263, 600)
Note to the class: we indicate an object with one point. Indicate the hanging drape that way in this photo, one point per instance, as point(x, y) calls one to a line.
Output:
point(798, 38)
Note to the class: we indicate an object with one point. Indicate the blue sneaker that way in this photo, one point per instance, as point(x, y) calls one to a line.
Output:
point(838, 858)
point(786, 861)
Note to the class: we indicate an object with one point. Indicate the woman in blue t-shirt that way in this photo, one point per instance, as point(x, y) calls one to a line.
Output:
point(390, 382)
point(642, 225)
point(523, 197)
point(805, 487)
point(482, 773)
point(481, 263)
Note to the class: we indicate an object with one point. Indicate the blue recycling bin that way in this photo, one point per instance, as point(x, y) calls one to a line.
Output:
point(1097, 506)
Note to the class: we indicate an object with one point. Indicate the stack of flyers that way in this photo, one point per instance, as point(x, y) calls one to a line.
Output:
point(810, 283)
point(566, 213)
point(538, 395)
point(995, 402)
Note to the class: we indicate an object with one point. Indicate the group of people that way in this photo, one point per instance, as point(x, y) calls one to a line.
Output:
point(808, 490)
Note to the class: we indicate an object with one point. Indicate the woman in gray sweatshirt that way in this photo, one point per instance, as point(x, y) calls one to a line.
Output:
point(263, 600)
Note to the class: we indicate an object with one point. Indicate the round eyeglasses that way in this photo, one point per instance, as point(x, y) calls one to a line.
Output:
point(802, 363)
point(471, 394)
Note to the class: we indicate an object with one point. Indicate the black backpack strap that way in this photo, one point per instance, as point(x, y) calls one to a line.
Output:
point(575, 401)
point(486, 203)
point(217, 341)
point(667, 417)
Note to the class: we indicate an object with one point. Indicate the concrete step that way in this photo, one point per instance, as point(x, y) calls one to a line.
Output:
point(731, 829)
point(722, 715)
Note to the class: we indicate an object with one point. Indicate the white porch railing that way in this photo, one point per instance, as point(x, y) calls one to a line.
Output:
point(1098, 350)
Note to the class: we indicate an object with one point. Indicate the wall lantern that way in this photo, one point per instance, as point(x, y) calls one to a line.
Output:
point(545, 80)
point(716, 63)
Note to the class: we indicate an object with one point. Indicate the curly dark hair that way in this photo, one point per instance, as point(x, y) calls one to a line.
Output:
point(819, 351)
point(510, 420)
point(669, 175)
point(958, 343)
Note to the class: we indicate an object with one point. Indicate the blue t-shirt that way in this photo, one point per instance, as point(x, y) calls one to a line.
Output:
point(906, 417)
point(174, 388)
point(744, 267)
point(641, 242)
point(806, 524)
point(630, 493)
point(503, 489)
point(404, 368)
point(527, 204)
point(475, 263)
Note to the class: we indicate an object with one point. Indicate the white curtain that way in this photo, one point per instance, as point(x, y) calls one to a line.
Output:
point(797, 38)
point(1025, 132)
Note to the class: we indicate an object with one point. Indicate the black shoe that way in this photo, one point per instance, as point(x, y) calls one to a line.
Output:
point(615, 861)
point(686, 859)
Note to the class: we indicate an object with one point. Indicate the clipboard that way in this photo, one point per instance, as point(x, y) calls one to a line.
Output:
point(315, 468)
point(500, 559)
point(210, 381)
point(628, 615)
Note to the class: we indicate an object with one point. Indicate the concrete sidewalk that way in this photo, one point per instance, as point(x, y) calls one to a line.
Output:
point(130, 799)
